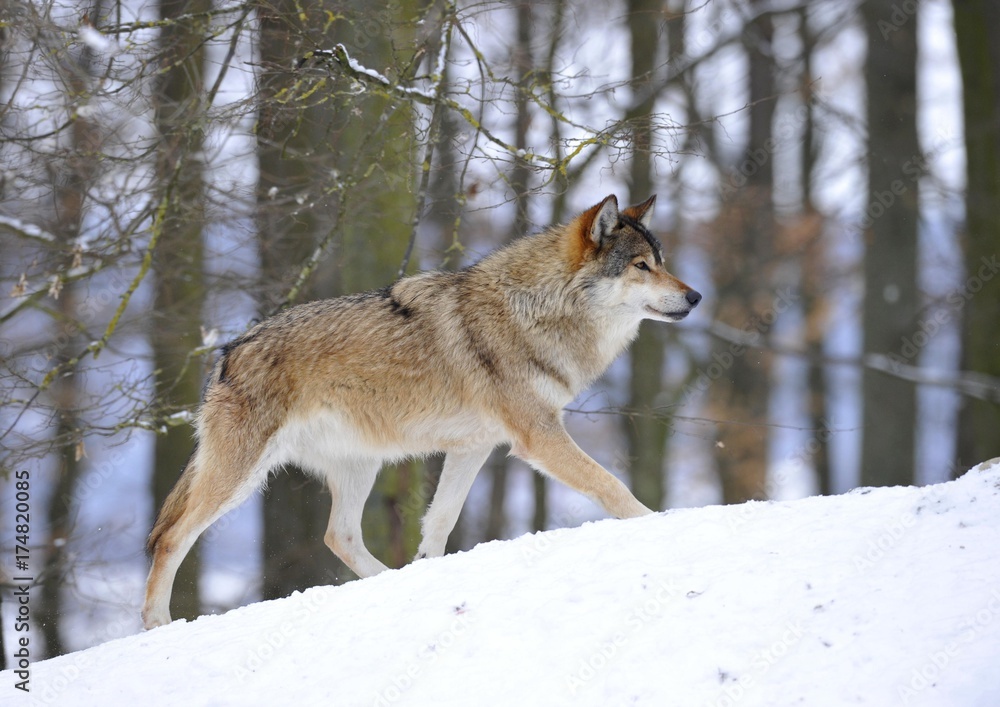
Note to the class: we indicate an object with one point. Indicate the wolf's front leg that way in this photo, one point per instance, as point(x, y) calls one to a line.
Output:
point(548, 447)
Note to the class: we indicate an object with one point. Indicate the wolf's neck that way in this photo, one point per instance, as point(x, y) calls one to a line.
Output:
point(582, 339)
point(614, 337)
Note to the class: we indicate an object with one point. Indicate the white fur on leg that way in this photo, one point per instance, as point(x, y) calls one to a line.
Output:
point(460, 469)
point(350, 482)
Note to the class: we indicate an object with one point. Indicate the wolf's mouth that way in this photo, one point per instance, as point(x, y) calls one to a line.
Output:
point(668, 315)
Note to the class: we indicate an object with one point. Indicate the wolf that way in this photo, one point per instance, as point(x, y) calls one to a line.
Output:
point(453, 362)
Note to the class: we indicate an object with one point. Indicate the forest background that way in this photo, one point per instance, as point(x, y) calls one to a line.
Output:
point(173, 171)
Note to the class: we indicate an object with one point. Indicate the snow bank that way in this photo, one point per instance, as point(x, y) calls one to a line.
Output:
point(878, 597)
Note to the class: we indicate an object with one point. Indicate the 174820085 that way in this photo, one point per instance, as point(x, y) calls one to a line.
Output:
point(23, 579)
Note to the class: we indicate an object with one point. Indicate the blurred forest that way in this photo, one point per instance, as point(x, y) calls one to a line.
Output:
point(172, 171)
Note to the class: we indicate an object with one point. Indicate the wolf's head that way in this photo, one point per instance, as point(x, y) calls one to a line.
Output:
point(616, 251)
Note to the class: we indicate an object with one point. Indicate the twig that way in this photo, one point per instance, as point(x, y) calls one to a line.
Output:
point(968, 383)
point(432, 138)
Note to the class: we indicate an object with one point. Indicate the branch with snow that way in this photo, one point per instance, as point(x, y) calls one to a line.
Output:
point(96, 41)
point(26, 230)
point(339, 56)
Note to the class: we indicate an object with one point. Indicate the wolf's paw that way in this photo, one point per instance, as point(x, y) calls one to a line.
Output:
point(151, 618)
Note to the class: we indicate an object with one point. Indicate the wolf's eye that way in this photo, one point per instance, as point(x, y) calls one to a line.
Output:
point(642, 265)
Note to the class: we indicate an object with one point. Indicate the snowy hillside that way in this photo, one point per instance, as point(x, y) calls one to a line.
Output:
point(879, 597)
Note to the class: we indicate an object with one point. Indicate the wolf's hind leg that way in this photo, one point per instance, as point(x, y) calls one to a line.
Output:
point(350, 484)
point(207, 489)
point(460, 469)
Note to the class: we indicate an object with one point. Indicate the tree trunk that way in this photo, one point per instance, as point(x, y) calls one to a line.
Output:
point(809, 239)
point(72, 181)
point(178, 259)
point(890, 269)
point(385, 206)
point(497, 521)
point(977, 25)
point(646, 432)
point(66, 396)
point(746, 298)
point(366, 139)
point(296, 506)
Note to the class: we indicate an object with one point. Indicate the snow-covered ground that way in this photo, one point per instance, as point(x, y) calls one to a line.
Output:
point(877, 597)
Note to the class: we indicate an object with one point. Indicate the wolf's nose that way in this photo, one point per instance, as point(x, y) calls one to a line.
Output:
point(693, 297)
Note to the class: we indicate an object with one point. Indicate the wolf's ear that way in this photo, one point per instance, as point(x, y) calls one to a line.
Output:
point(605, 219)
point(643, 213)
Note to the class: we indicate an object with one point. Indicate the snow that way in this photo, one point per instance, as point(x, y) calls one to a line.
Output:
point(877, 597)
point(29, 230)
point(359, 68)
point(94, 39)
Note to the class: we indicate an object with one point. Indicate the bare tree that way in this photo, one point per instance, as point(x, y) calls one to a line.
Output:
point(377, 141)
point(745, 255)
point(523, 66)
point(806, 234)
point(646, 434)
point(73, 179)
point(977, 25)
point(180, 105)
point(292, 173)
point(890, 268)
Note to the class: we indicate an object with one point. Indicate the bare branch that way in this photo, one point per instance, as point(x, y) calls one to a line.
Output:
point(968, 383)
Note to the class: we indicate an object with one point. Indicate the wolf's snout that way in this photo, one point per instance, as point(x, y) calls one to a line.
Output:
point(693, 297)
